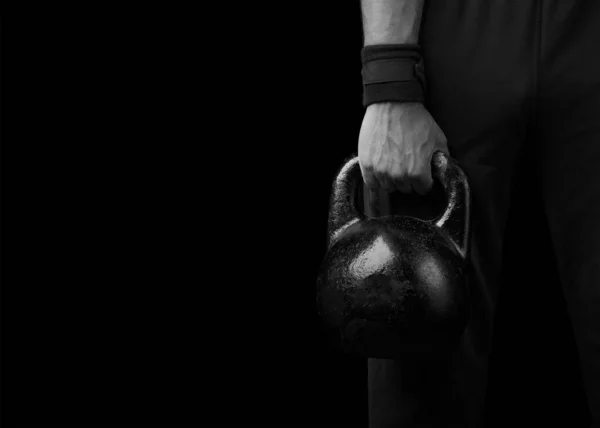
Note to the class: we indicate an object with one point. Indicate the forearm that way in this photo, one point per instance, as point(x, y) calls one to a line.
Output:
point(391, 21)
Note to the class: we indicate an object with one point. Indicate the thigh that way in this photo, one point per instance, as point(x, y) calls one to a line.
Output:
point(479, 59)
point(480, 64)
point(569, 159)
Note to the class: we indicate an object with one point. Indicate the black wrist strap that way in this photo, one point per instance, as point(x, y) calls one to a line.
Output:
point(392, 73)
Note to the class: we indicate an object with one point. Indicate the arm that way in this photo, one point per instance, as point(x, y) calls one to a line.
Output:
point(391, 21)
point(391, 157)
point(395, 390)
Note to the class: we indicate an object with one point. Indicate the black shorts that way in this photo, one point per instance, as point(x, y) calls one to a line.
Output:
point(504, 75)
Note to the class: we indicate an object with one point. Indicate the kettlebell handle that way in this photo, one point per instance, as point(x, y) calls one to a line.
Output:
point(454, 222)
point(342, 204)
point(456, 219)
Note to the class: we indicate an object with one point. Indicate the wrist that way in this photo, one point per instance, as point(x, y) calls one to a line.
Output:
point(392, 73)
point(388, 105)
point(393, 107)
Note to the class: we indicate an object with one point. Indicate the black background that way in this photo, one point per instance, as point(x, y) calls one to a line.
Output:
point(168, 219)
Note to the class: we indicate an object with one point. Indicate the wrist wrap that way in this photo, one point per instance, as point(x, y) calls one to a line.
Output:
point(392, 73)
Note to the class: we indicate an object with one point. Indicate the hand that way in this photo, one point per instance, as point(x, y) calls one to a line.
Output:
point(395, 146)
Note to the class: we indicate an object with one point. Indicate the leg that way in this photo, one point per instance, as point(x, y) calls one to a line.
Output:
point(569, 155)
point(478, 58)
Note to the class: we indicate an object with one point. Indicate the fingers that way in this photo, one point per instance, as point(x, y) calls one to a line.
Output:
point(403, 185)
point(419, 180)
point(385, 182)
point(406, 174)
point(422, 183)
point(369, 178)
point(382, 180)
point(391, 182)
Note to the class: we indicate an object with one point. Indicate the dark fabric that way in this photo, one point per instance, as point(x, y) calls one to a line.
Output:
point(387, 51)
point(389, 70)
point(503, 76)
point(410, 91)
point(392, 72)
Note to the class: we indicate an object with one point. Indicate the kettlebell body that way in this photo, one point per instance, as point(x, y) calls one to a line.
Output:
point(394, 285)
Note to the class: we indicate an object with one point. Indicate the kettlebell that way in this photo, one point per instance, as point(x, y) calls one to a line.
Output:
point(395, 285)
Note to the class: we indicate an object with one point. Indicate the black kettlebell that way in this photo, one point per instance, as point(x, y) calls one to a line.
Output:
point(394, 285)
